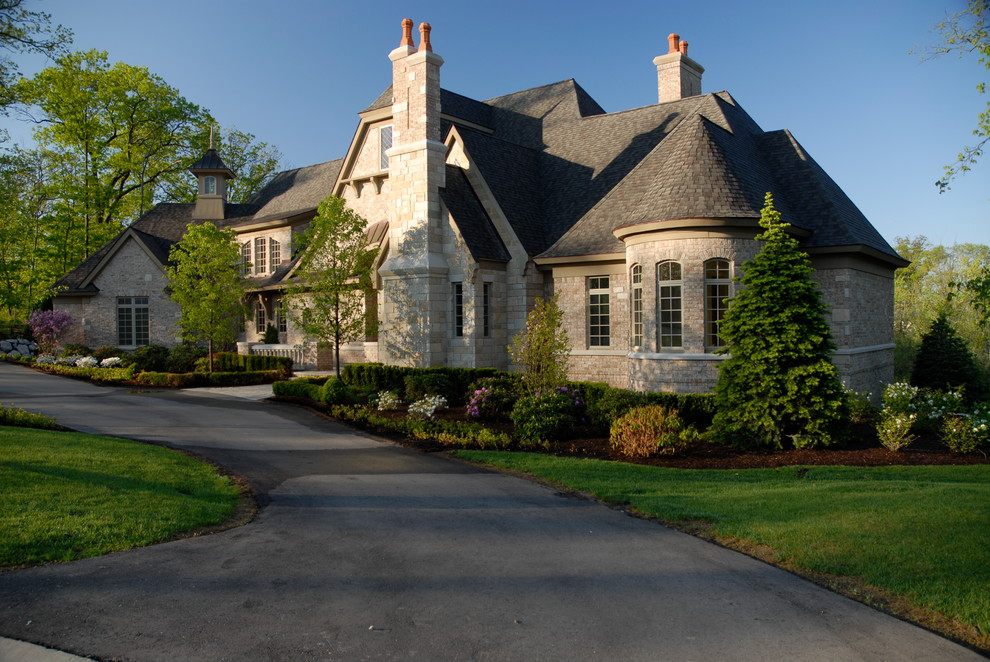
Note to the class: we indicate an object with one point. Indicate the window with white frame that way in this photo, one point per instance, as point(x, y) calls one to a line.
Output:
point(599, 321)
point(260, 263)
point(210, 185)
point(133, 321)
point(669, 306)
point(636, 280)
point(457, 291)
point(274, 253)
point(384, 144)
point(718, 289)
point(283, 318)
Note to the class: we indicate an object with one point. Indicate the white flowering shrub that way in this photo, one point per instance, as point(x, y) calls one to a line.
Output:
point(426, 407)
point(898, 397)
point(87, 362)
point(962, 434)
point(894, 429)
point(388, 401)
point(110, 362)
point(68, 360)
point(45, 359)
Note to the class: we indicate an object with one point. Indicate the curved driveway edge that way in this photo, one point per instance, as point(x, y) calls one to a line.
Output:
point(366, 550)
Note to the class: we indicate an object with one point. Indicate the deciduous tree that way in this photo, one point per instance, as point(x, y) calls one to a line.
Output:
point(779, 381)
point(542, 349)
point(204, 279)
point(332, 276)
point(25, 31)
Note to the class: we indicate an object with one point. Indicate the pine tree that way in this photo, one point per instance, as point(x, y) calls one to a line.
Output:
point(945, 362)
point(779, 381)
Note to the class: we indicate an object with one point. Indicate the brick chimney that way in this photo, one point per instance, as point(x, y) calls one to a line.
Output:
point(678, 76)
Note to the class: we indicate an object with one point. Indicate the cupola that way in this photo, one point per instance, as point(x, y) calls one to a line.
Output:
point(212, 175)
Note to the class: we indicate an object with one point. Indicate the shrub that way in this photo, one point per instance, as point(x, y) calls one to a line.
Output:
point(271, 335)
point(334, 392)
point(606, 403)
point(47, 326)
point(111, 362)
point(894, 429)
point(15, 417)
point(182, 358)
point(106, 352)
point(75, 349)
point(544, 418)
point(492, 397)
point(421, 384)
point(148, 358)
point(298, 388)
point(962, 434)
point(643, 431)
point(427, 406)
point(387, 401)
point(861, 408)
point(87, 362)
point(233, 362)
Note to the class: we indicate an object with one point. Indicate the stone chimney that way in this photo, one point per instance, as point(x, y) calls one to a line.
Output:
point(678, 76)
point(212, 175)
point(414, 276)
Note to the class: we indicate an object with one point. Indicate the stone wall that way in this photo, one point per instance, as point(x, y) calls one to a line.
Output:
point(18, 347)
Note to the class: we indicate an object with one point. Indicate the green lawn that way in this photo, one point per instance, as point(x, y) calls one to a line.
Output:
point(67, 495)
point(922, 533)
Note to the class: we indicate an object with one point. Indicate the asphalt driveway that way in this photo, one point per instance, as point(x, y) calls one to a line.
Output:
point(368, 551)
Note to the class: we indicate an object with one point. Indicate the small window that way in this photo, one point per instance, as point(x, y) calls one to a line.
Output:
point(260, 317)
point(486, 310)
point(246, 258)
point(274, 253)
point(599, 322)
point(210, 185)
point(669, 306)
point(133, 321)
point(636, 278)
point(385, 144)
point(718, 289)
point(283, 318)
point(260, 264)
point(458, 296)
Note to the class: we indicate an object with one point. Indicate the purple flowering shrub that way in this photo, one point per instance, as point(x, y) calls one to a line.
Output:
point(47, 326)
point(491, 397)
point(548, 416)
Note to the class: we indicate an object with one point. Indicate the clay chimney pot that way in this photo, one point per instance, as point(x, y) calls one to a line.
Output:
point(407, 26)
point(673, 38)
point(424, 37)
point(684, 46)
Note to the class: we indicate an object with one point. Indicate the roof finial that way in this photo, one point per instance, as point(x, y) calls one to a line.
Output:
point(673, 38)
point(424, 37)
point(407, 26)
point(211, 136)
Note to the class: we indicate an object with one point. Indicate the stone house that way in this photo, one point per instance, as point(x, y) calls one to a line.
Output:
point(639, 220)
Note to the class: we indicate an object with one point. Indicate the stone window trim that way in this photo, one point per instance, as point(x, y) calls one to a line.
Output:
point(245, 258)
point(133, 321)
point(599, 311)
point(670, 306)
point(636, 286)
point(457, 302)
point(718, 289)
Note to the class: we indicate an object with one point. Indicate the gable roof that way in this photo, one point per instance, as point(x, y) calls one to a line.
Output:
point(289, 193)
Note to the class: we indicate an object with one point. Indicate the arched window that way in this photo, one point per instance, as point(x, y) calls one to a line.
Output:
point(670, 311)
point(636, 279)
point(718, 289)
point(210, 185)
point(274, 253)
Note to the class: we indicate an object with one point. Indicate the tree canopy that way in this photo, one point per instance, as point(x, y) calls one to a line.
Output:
point(204, 279)
point(25, 31)
point(963, 33)
point(333, 276)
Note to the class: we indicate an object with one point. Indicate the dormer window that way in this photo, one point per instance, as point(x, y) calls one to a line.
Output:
point(210, 185)
point(385, 144)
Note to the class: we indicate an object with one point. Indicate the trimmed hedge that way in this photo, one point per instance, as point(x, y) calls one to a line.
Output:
point(298, 388)
point(232, 362)
point(375, 377)
point(606, 403)
point(194, 379)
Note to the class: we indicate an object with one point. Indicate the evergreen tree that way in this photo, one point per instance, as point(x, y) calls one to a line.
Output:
point(945, 362)
point(779, 381)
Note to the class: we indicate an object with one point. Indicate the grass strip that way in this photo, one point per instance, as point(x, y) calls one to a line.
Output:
point(920, 532)
point(68, 495)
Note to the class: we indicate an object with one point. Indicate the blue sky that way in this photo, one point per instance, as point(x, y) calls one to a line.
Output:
point(838, 75)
